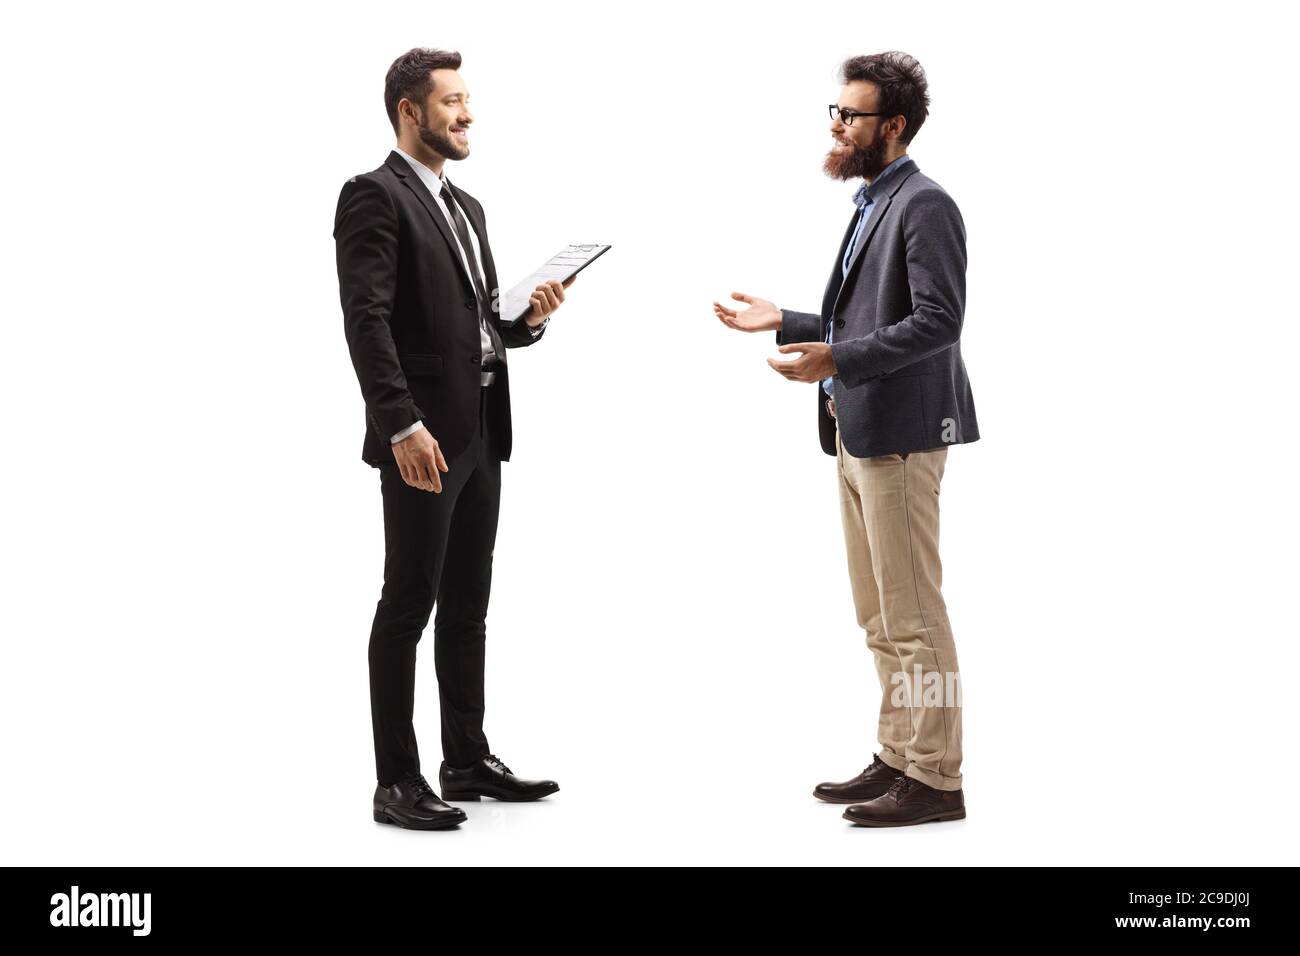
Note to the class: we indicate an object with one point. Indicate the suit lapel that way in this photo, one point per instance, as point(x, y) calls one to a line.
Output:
point(480, 231)
point(878, 210)
point(837, 274)
point(489, 270)
point(413, 182)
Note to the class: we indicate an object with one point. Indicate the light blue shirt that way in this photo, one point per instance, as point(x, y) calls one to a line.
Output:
point(865, 203)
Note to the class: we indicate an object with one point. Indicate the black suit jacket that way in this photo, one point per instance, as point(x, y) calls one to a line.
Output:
point(410, 315)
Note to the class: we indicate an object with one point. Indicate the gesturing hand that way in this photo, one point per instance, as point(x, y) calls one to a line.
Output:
point(419, 459)
point(761, 316)
point(815, 364)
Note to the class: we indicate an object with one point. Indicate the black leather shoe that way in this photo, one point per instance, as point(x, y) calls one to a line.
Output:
point(411, 803)
point(873, 782)
point(489, 777)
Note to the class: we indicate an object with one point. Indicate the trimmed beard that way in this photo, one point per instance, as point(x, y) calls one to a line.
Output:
point(441, 143)
point(858, 162)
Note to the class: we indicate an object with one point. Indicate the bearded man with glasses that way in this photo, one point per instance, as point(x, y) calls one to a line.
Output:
point(892, 396)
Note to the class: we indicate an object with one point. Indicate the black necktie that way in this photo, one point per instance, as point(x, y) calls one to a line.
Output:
point(484, 304)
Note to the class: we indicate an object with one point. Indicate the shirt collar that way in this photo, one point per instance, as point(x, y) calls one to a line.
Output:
point(432, 181)
point(868, 191)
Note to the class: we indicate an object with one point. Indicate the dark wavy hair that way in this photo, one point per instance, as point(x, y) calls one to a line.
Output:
point(408, 77)
point(903, 89)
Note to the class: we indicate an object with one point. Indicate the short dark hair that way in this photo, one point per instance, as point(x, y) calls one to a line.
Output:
point(408, 77)
point(901, 81)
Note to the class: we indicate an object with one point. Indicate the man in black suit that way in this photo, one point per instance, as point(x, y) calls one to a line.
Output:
point(419, 289)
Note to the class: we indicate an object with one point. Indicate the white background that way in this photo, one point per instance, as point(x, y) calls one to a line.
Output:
point(193, 548)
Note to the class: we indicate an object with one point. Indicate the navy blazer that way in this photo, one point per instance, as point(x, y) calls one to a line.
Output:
point(900, 384)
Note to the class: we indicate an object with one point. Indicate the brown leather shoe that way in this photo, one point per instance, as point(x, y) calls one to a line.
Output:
point(908, 802)
point(873, 782)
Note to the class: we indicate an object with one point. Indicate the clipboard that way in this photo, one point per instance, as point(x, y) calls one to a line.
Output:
point(513, 304)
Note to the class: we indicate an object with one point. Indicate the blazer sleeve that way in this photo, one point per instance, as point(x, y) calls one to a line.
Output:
point(799, 327)
point(365, 242)
point(934, 238)
point(519, 335)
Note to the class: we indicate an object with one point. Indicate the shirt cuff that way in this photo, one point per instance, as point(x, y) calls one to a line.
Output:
point(405, 432)
point(534, 332)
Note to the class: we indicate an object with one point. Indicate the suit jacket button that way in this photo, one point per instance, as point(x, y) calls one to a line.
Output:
point(839, 323)
point(476, 359)
point(469, 305)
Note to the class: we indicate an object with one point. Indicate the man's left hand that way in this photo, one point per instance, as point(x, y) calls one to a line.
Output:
point(546, 298)
point(815, 364)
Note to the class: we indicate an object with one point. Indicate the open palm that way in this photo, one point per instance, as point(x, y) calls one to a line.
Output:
point(761, 316)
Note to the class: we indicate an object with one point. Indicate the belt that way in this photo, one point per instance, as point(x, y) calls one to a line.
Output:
point(830, 407)
point(487, 375)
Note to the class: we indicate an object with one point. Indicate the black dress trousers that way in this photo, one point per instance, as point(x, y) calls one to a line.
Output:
point(437, 550)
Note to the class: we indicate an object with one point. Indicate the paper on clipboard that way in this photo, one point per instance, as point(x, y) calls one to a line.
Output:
point(569, 261)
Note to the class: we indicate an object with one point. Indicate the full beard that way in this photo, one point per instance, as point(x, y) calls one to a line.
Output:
point(857, 162)
point(442, 143)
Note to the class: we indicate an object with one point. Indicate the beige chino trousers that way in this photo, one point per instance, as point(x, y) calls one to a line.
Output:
point(889, 505)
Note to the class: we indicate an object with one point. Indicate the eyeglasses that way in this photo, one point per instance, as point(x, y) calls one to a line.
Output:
point(846, 116)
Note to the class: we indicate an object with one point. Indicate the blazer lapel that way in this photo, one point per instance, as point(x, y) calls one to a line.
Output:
point(837, 274)
point(489, 272)
point(480, 231)
point(878, 210)
point(413, 182)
